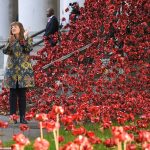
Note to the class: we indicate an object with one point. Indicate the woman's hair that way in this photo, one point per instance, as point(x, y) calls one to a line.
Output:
point(21, 34)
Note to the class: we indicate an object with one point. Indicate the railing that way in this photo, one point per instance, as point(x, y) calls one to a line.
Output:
point(2, 46)
point(34, 35)
point(37, 43)
point(67, 56)
point(37, 33)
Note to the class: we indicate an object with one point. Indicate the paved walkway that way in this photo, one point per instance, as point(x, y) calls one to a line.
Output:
point(6, 134)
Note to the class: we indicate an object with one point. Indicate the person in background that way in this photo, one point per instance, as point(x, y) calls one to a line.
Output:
point(18, 72)
point(75, 11)
point(52, 27)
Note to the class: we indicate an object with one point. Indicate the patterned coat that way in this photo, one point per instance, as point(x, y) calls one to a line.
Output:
point(18, 67)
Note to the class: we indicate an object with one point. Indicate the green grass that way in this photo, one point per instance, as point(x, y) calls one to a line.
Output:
point(68, 137)
point(8, 143)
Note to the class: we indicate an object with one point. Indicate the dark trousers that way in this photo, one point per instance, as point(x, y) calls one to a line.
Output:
point(52, 43)
point(18, 94)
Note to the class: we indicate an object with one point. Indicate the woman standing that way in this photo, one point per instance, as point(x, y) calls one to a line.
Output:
point(18, 73)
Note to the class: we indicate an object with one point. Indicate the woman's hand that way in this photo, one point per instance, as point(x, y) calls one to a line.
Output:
point(11, 39)
point(26, 34)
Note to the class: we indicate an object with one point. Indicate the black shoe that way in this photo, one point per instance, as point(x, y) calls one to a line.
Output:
point(23, 121)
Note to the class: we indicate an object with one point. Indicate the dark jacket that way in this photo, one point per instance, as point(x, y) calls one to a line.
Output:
point(52, 26)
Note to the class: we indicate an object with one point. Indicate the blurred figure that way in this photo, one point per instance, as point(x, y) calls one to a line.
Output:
point(75, 11)
point(51, 27)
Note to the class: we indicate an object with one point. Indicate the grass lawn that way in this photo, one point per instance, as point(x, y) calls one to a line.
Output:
point(68, 137)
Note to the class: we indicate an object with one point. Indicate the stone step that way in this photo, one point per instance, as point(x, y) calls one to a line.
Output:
point(1, 78)
point(7, 133)
point(1, 59)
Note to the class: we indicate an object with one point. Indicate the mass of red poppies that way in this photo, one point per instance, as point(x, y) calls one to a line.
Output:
point(105, 83)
